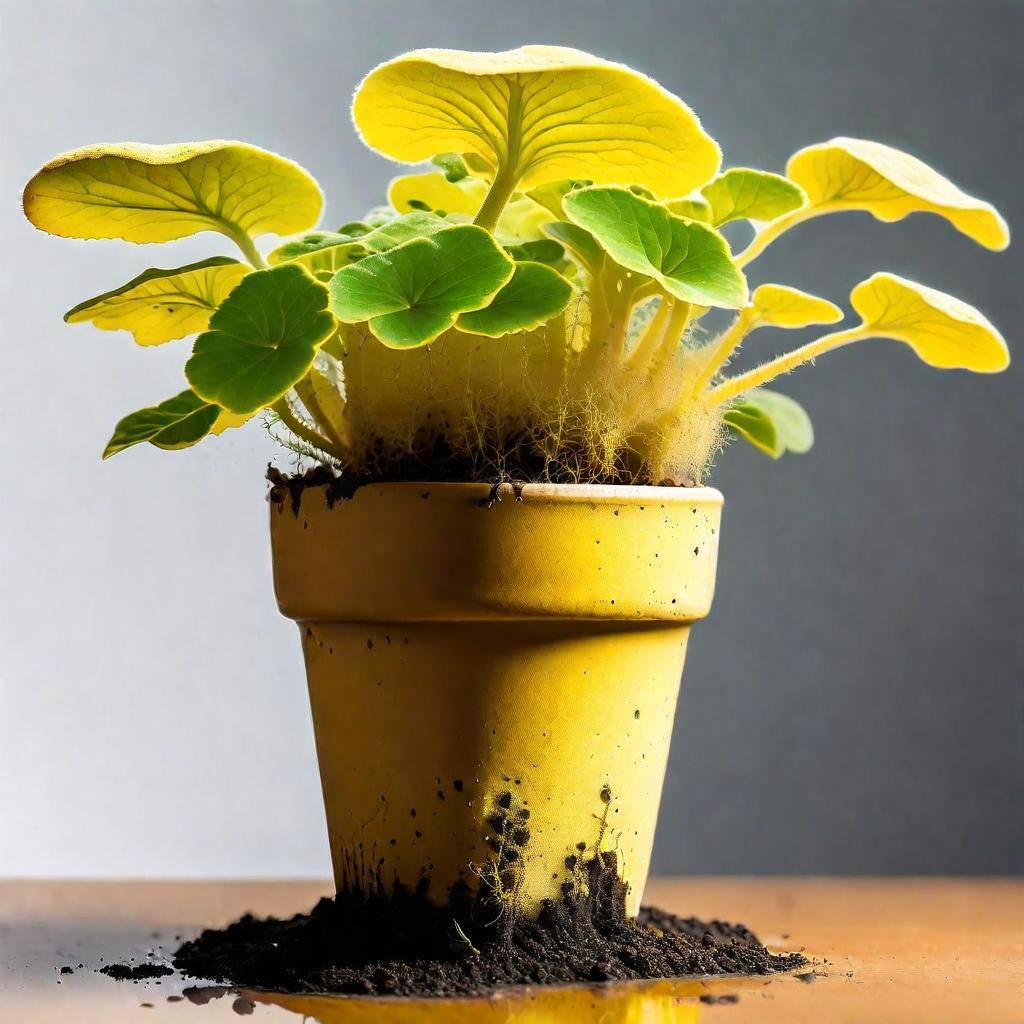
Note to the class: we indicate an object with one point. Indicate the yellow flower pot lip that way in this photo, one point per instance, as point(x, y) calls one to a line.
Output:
point(596, 493)
point(420, 551)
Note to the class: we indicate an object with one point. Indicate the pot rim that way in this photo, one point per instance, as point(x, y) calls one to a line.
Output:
point(596, 493)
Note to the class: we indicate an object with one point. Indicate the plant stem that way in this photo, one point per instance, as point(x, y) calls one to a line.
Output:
point(723, 348)
point(506, 175)
point(308, 434)
point(774, 228)
point(648, 343)
point(244, 242)
point(678, 320)
point(306, 390)
point(496, 200)
point(735, 386)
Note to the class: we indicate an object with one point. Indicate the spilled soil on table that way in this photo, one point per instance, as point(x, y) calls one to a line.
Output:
point(392, 940)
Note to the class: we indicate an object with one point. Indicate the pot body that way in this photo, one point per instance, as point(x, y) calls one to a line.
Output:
point(493, 684)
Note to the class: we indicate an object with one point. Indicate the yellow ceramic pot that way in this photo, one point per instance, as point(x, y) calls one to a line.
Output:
point(517, 663)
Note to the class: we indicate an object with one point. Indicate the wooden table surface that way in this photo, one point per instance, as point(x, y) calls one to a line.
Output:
point(884, 950)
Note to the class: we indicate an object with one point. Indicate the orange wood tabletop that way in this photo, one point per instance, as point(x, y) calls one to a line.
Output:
point(882, 950)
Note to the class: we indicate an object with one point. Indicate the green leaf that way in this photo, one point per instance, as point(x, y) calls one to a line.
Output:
point(377, 216)
point(691, 207)
point(793, 429)
point(744, 194)
point(418, 224)
point(543, 250)
point(551, 194)
point(179, 422)
point(753, 424)
point(262, 339)
point(161, 305)
point(355, 228)
point(414, 292)
point(689, 260)
point(579, 242)
point(452, 164)
point(532, 297)
point(326, 252)
point(313, 242)
point(144, 193)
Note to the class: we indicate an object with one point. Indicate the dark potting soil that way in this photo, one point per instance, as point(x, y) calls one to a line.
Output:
point(135, 972)
point(398, 943)
point(288, 488)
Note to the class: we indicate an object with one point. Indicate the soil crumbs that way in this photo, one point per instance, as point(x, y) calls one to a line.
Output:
point(395, 942)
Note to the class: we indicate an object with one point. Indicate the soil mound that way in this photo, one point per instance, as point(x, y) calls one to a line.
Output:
point(396, 942)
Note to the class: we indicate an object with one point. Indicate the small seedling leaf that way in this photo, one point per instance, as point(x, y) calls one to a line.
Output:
point(794, 431)
point(178, 422)
point(753, 424)
point(744, 194)
point(778, 305)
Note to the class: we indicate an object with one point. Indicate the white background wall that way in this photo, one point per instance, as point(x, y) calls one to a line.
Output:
point(853, 705)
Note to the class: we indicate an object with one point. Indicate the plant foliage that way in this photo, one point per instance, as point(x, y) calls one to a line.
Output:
point(530, 302)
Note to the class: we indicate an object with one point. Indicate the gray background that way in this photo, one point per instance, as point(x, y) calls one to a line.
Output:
point(853, 705)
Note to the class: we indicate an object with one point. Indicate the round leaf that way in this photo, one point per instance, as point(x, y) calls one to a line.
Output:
point(179, 422)
point(942, 330)
point(543, 250)
point(435, 191)
point(414, 292)
point(161, 305)
point(689, 260)
point(694, 207)
point(145, 193)
point(538, 113)
point(778, 305)
point(262, 339)
point(744, 194)
point(532, 297)
point(452, 164)
point(754, 425)
point(581, 243)
point(793, 429)
point(326, 252)
point(320, 252)
point(854, 174)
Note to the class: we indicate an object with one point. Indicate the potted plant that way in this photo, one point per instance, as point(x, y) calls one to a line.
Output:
point(501, 379)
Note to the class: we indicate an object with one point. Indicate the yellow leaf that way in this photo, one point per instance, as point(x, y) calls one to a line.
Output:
point(777, 305)
point(161, 305)
point(144, 193)
point(854, 174)
point(228, 420)
point(522, 220)
point(433, 191)
point(942, 330)
point(534, 115)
